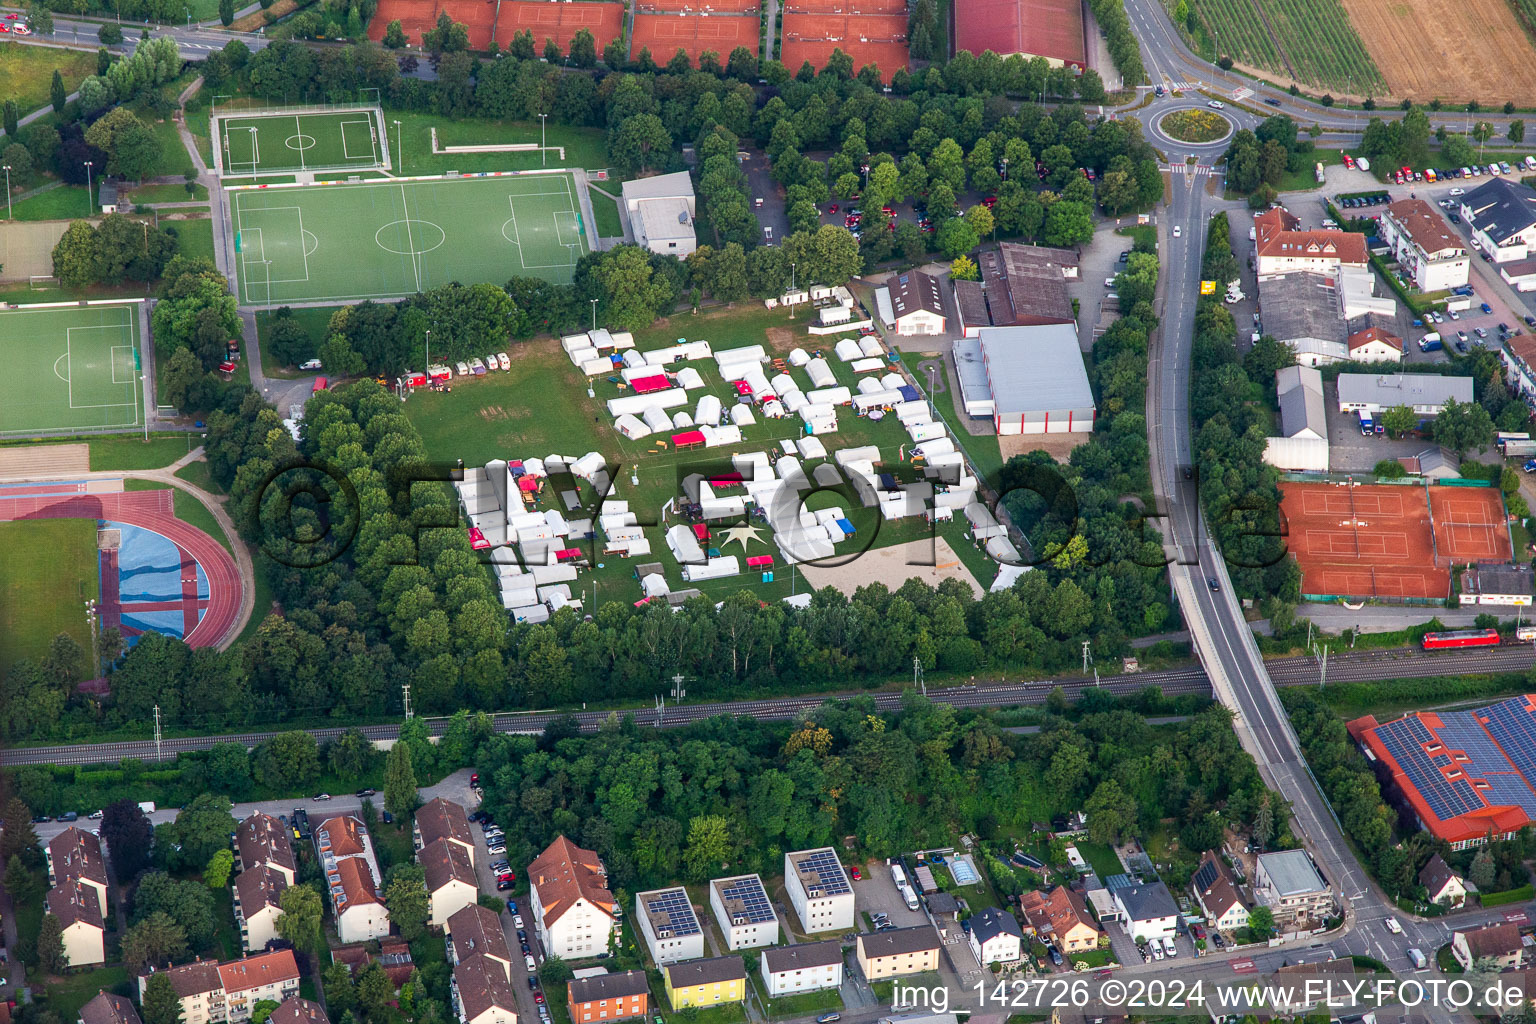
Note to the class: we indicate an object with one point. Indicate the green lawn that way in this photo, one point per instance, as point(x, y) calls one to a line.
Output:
point(800, 1005)
point(66, 996)
point(174, 158)
point(584, 147)
point(194, 238)
point(1306, 178)
point(48, 573)
point(197, 127)
point(192, 512)
point(316, 323)
point(80, 365)
point(63, 203)
point(606, 211)
point(927, 981)
point(26, 72)
point(168, 194)
point(128, 451)
point(1101, 858)
point(981, 449)
point(199, 474)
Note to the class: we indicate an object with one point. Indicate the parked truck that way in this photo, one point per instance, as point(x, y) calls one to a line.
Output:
point(1417, 956)
point(1431, 343)
point(147, 806)
point(1319, 172)
point(1366, 426)
point(908, 895)
point(898, 875)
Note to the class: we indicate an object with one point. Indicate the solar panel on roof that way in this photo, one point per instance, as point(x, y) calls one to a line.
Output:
point(828, 871)
point(1205, 876)
point(1447, 798)
point(676, 908)
point(754, 901)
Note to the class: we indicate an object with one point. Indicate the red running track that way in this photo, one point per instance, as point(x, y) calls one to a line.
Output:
point(155, 511)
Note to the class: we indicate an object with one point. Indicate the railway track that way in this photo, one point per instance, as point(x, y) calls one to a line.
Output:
point(1346, 667)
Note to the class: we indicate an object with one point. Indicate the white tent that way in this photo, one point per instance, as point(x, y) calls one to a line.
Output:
point(838, 395)
point(597, 367)
point(684, 545)
point(623, 339)
point(752, 353)
point(556, 522)
point(846, 457)
point(689, 378)
point(634, 357)
point(611, 521)
point(920, 432)
point(681, 420)
point(758, 384)
point(866, 365)
point(938, 446)
point(782, 383)
point(534, 613)
point(876, 400)
point(869, 385)
point(732, 506)
point(892, 380)
point(632, 373)
point(572, 342)
point(715, 568)
point(790, 471)
point(913, 412)
point(582, 356)
point(812, 448)
point(773, 409)
point(600, 338)
point(656, 418)
point(637, 404)
point(753, 466)
point(798, 357)
point(869, 345)
point(741, 415)
point(821, 374)
point(954, 459)
point(707, 411)
point(588, 466)
point(847, 350)
point(826, 475)
point(723, 435)
point(542, 574)
point(554, 592)
point(794, 401)
point(654, 584)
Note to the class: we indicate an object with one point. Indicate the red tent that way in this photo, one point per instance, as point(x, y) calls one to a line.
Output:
point(700, 531)
point(648, 385)
point(568, 554)
point(527, 484)
point(477, 539)
point(759, 561)
point(688, 439)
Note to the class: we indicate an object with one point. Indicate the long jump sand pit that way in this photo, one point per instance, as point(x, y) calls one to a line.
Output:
point(890, 566)
point(1451, 49)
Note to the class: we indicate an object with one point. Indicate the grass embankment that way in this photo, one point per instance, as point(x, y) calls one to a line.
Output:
point(26, 72)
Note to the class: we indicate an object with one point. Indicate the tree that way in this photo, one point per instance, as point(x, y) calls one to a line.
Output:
point(394, 36)
point(980, 220)
point(226, 12)
point(1399, 420)
point(709, 843)
point(130, 144)
point(216, 874)
point(155, 940)
point(1482, 131)
point(1517, 132)
point(18, 158)
point(40, 18)
point(202, 827)
point(339, 358)
point(262, 1011)
point(1462, 427)
point(300, 920)
point(1262, 921)
point(1111, 814)
point(1482, 870)
point(955, 236)
point(18, 836)
point(400, 797)
point(50, 946)
point(554, 971)
point(10, 117)
point(350, 755)
point(126, 830)
point(632, 144)
point(186, 902)
point(1068, 223)
point(110, 34)
point(57, 93)
point(161, 1004)
point(963, 268)
point(406, 898)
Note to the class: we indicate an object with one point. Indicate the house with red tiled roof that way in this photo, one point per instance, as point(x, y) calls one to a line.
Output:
point(81, 925)
point(75, 853)
point(299, 1011)
point(262, 841)
point(212, 992)
point(107, 1008)
point(1284, 248)
point(573, 911)
point(443, 819)
point(352, 877)
point(258, 904)
point(451, 881)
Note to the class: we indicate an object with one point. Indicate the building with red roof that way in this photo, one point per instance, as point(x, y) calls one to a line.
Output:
point(1053, 29)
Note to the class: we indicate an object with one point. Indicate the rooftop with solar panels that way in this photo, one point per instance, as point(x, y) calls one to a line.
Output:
point(744, 897)
point(821, 870)
point(1466, 773)
point(670, 912)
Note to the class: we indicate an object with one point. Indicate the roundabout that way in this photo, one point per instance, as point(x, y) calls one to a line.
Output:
point(1195, 127)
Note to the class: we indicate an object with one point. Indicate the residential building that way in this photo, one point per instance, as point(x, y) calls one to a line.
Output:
point(705, 983)
point(476, 931)
point(1284, 248)
point(443, 819)
point(803, 967)
point(744, 912)
point(912, 303)
point(106, 1008)
point(352, 874)
point(1330, 317)
point(819, 890)
point(608, 997)
point(1428, 251)
point(1496, 583)
point(451, 881)
point(1499, 943)
point(669, 925)
point(393, 955)
point(1060, 917)
point(1444, 886)
point(299, 1011)
point(76, 854)
point(1502, 217)
point(1453, 768)
point(1052, 29)
point(1216, 891)
point(996, 937)
point(214, 992)
point(262, 841)
point(1424, 393)
point(1027, 380)
point(1147, 911)
point(1292, 887)
point(900, 951)
point(481, 992)
point(1020, 286)
point(258, 904)
point(573, 911)
point(660, 210)
point(78, 909)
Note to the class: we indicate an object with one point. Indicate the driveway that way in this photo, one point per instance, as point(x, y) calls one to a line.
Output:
point(773, 213)
point(1349, 451)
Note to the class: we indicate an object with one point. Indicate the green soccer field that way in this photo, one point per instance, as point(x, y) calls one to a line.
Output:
point(278, 143)
point(77, 368)
point(383, 239)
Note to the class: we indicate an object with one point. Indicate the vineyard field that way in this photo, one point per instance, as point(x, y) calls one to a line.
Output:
point(1318, 46)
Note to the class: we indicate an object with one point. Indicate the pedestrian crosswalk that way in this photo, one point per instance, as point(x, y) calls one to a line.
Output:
point(1197, 170)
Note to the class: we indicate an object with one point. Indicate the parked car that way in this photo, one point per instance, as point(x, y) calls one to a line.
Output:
point(322, 796)
point(855, 872)
point(1457, 192)
point(1487, 308)
point(528, 961)
point(512, 906)
point(365, 793)
point(311, 364)
point(503, 884)
point(517, 920)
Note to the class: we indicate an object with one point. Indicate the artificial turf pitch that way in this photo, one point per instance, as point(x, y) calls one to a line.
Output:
point(76, 368)
point(392, 238)
point(278, 143)
point(48, 573)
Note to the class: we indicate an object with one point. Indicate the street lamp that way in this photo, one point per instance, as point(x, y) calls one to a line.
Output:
point(429, 350)
point(90, 204)
point(400, 147)
point(594, 314)
point(543, 155)
point(7, 191)
point(146, 411)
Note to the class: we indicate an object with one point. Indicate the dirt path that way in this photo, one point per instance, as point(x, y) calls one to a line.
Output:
point(893, 566)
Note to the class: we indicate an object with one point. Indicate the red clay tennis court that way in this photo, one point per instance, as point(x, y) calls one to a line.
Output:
point(1362, 540)
point(550, 19)
point(666, 33)
point(877, 38)
point(1470, 525)
point(698, 7)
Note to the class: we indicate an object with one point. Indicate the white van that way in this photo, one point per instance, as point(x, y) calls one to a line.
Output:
point(1169, 947)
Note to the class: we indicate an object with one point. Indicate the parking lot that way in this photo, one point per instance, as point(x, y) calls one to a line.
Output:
point(527, 1007)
